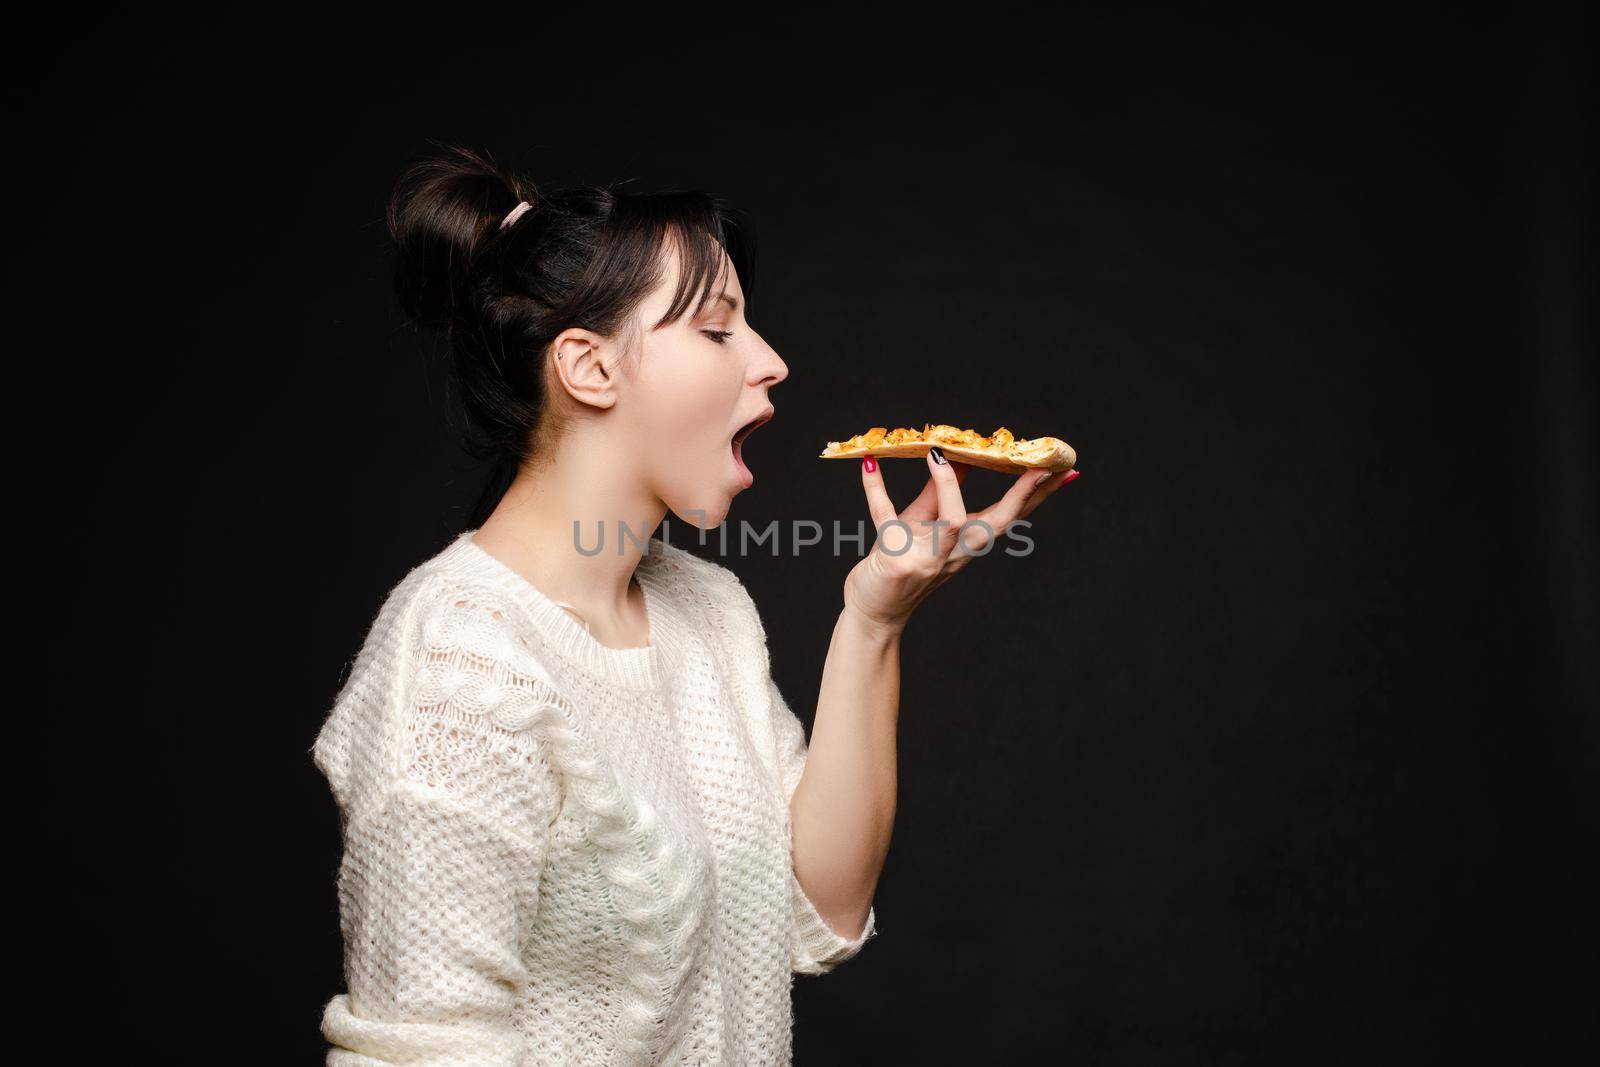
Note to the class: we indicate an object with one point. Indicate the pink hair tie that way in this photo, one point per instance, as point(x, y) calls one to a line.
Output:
point(516, 213)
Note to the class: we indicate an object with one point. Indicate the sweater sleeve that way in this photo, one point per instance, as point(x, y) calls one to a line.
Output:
point(816, 948)
point(439, 882)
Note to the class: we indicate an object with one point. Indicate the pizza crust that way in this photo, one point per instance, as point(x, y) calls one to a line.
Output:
point(1000, 451)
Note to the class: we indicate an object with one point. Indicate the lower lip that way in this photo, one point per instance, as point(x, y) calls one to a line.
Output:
point(745, 475)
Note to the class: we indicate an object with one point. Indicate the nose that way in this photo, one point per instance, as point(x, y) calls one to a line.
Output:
point(768, 366)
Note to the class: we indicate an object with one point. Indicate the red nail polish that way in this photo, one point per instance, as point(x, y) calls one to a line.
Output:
point(1071, 476)
point(869, 464)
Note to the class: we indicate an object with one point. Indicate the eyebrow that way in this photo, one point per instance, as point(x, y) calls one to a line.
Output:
point(733, 305)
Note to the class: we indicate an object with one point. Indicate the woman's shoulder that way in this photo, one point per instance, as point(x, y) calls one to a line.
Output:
point(438, 605)
point(443, 642)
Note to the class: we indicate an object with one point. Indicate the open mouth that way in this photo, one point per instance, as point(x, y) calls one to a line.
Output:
point(739, 438)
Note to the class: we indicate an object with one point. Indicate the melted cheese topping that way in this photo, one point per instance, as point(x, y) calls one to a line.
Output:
point(1001, 443)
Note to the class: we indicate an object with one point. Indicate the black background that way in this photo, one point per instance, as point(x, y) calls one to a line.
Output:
point(1279, 748)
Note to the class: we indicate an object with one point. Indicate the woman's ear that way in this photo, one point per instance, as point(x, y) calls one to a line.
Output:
point(583, 364)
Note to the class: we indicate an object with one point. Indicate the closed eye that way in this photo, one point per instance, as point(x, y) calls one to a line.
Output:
point(719, 336)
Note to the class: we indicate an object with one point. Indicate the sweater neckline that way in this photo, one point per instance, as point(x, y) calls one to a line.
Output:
point(640, 667)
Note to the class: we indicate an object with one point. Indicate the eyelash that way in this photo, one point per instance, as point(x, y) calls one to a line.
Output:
point(719, 336)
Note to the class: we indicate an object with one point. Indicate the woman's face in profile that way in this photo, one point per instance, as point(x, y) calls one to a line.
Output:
point(698, 382)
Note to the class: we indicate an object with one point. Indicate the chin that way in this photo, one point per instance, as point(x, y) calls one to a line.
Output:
point(704, 513)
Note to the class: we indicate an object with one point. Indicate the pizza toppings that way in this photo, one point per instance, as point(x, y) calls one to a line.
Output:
point(998, 442)
point(1001, 450)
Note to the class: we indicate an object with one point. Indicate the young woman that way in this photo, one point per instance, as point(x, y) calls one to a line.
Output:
point(581, 824)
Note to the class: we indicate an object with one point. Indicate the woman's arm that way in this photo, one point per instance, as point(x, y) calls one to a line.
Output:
point(843, 809)
point(435, 896)
point(439, 881)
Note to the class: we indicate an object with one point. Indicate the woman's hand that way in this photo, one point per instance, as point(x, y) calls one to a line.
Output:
point(915, 555)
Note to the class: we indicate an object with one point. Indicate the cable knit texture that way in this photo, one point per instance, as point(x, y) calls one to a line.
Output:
point(557, 852)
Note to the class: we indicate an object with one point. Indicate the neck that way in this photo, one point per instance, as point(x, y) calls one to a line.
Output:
point(583, 496)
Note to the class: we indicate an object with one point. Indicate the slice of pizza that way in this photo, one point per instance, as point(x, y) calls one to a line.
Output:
point(1000, 451)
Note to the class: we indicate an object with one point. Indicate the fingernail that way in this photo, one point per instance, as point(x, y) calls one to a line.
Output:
point(1071, 476)
point(938, 456)
point(869, 464)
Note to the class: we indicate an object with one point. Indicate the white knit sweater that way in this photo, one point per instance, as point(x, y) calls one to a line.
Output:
point(557, 852)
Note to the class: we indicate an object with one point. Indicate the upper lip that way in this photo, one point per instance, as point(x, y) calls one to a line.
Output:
point(762, 416)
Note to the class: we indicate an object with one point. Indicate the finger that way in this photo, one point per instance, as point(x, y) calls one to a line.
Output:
point(879, 506)
point(926, 506)
point(1056, 480)
point(952, 510)
point(1028, 487)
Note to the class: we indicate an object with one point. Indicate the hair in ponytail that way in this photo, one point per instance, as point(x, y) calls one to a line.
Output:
point(583, 257)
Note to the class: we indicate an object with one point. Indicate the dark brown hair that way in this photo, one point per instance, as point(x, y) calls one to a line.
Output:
point(583, 257)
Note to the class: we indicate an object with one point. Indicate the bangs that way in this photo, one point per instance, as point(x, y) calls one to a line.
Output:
point(706, 233)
